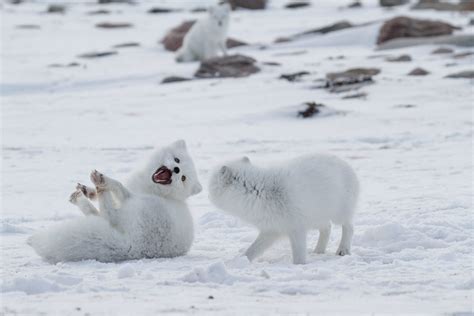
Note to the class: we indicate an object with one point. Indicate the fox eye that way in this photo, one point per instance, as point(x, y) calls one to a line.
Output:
point(176, 160)
point(183, 178)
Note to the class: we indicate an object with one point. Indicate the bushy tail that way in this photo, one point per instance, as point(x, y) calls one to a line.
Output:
point(83, 238)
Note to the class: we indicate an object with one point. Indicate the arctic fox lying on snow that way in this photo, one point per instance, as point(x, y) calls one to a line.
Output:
point(207, 36)
point(148, 218)
point(305, 193)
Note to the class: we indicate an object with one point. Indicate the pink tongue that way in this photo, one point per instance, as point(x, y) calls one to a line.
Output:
point(162, 176)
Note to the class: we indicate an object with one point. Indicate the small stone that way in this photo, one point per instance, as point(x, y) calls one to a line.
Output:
point(294, 76)
point(113, 25)
point(248, 4)
point(418, 72)
point(210, 297)
point(73, 64)
point(401, 58)
point(98, 12)
point(125, 45)
point(312, 108)
point(297, 4)
point(271, 63)
point(173, 79)
point(355, 4)
point(56, 8)
point(234, 66)
point(359, 95)
point(114, 1)
point(98, 54)
point(392, 3)
point(463, 55)
point(467, 74)
point(158, 10)
point(442, 50)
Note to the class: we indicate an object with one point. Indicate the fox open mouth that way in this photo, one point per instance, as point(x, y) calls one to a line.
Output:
point(162, 176)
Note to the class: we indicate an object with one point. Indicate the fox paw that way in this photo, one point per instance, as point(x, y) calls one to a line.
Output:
point(343, 251)
point(99, 180)
point(75, 196)
point(88, 192)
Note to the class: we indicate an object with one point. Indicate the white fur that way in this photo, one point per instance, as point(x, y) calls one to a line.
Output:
point(145, 220)
point(305, 193)
point(207, 36)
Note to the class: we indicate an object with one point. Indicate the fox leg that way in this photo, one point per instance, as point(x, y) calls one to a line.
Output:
point(80, 200)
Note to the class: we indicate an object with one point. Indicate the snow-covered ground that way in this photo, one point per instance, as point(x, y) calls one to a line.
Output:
point(413, 243)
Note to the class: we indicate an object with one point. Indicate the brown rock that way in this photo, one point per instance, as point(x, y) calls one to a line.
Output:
point(113, 25)
point(467, 74)
point(174, 38)
point(355, 4)
point(403, 27)
point(401, 58)
point(442, 50)
point(341, 25)
point(418, 72)
point(56, 8)
point(312, 108)
point(248, 4)
point(351, 79)
point(227, 66)
point(463, 5)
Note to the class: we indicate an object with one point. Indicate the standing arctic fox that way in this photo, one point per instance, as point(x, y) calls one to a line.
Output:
point(305, 193)
point(207, 36)
point(147, 219)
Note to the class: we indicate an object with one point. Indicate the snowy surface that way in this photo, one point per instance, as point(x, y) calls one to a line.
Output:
point(412, 249)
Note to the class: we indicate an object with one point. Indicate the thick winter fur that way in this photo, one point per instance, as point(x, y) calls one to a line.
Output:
point(302, 194)
point(207, 36)
point(143, 220)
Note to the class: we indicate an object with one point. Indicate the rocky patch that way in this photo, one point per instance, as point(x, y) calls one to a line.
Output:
point(232, 66)
point(92, 55)
point(467, 74)
point(173, 79)
point(401, 58)
point(418, 72)
point(312, 108)
point(351, 79)
point(392, 3)
point(113, 25)
point(248, 4)
point(442, 50)
point(294, 76)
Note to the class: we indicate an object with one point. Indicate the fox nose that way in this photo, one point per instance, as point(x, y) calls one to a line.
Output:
point(176, 170)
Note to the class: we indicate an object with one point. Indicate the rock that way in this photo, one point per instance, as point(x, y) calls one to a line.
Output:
point(114, 1)
point(312, 108)
point(463, 55)
point(174, 79)
point(98, 12)
point(462, 40)
point(471, 21)
point(359, 95)
point(351, 79)
point(227, 66)
point(73, 64)
point(271, 63)
point(341, 25)
point(418, 72)
point(463, 5)
point(297, 4)
point(98, 54)
point(248, 4)
point(125, 45)
point(355, 4)
point(294, 76)
point(403, 27)
point(442, 50)
point(198, 9)
point(467, 74)
point(174, 38)
point(56, 8)
point(401, 58)
point(392, 3)
point(158, 10)
point(405, 106)
point(113, 25)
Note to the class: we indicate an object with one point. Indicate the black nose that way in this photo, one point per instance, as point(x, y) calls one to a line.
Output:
point(176, 170)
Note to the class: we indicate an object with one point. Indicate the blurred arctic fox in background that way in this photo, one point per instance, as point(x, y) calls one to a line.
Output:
point(148, 218)
point(302, 194)
point(207, 36)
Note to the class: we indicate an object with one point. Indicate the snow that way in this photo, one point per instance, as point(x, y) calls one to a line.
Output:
point(412, 248)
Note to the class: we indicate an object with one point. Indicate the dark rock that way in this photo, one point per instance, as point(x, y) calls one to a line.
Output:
point(467, 74)
point(402, 27)
point(297, 4)
point(341, 25)
point(113, 25)
point(312, 108)
point(28, 27)
point(271, 63)
point(463, 5)
point(392, 3)
point(98, 54)
point(174, 38)
point(355, 4)
point(98, 12)
point(114, 1)
point(248, 4)
point(401, 58)
point(174, 79)
point(210, 297)
point(56, 8)
point(199, 9)
point(462, 40)
point(463, 55)
point(442, 50)
point(471, 21)
point(351, 79)
point(158, 10)
point(125, 45)
point(227, 66)
point(294, 76)
point(282, 39)
point(359, 95)
point(73, 64)
point(418, 72)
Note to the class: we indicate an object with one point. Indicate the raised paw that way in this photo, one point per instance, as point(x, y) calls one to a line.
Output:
point(75, 196)
point(343, 251)
point(88, 192)
point(99, 180)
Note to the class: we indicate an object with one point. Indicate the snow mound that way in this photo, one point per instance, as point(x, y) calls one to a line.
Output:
point(126, 271)
point(31, 285)
point(214, 273)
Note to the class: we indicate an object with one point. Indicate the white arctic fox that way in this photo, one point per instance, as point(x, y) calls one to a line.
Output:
point(305, 193)
point(148, 218)
point(207, 36)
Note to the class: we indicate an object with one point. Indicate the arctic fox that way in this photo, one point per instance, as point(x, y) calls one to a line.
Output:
point(148, 218)
point(207, 36)
point(305, 193)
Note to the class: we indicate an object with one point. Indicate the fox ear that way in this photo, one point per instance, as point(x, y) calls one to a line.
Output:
point(180, 144)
